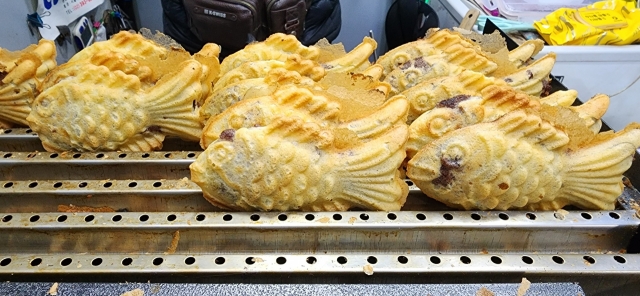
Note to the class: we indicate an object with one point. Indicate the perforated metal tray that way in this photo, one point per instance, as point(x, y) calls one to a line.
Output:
point(157, 223)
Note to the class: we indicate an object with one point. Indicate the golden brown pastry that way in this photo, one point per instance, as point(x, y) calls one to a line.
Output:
point(291, 164)
point(260, 69)
point(521, 161)
point(103, 110)
point(250, 88)
point(354, 61)
point(138, 55)
point(277, 47)
point(296, 101)
point(525, 52)
point(20, 74)
point(532, 78)
point(453, 47)
point(491, 103)
point(427, 94)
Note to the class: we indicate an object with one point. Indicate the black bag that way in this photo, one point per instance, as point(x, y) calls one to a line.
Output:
point(408, 20)
point(233, 24)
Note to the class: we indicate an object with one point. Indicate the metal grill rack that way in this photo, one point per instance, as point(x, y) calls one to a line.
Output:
point(151, 220)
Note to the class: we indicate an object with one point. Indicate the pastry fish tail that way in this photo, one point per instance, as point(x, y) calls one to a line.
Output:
point(529, 79)
point(370, 178)
point(173, 102)
point(392, 113)
point(560, 98)
point(593, 175)
point(355, 59)
point(593, 110)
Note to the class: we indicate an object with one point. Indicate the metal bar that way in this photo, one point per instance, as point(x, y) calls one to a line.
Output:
point(556, 264)
point(97, 166)
point(164, 289)
point(318, 233)
point(25, 140)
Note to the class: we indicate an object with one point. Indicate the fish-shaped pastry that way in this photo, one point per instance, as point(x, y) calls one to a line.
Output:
point(427, 94)
point(250, 88)
point(523, 162)
point(21, 72)
point(150, 57)
point(492, 103)
point(292, 100)
point(259, 69)
point(530, 79)
point(277, 47)
point(521, 55)
point(452, 47)
point(355, 60)
point(103, 110)
point(291, 164)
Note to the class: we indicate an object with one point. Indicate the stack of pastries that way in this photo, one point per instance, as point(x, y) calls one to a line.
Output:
point(290, 127)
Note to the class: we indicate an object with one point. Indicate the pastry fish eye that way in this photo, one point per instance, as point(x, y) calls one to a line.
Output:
point(457, 151)
point(223, 152)
point(400, 58)
point(411, 76)
point(441, 122)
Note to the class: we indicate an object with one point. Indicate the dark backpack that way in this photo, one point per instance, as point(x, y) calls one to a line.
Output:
point(233, 24)
point(408, 20)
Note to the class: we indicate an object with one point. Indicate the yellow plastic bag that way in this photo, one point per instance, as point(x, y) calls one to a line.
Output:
point(613, 22)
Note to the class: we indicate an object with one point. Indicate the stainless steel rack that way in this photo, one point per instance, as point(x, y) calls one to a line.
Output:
point(150, 221)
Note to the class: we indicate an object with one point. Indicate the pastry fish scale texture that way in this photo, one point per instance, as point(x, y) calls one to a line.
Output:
point(89, 118)
point(291, 165)
point(106, 110)
point(520, 161)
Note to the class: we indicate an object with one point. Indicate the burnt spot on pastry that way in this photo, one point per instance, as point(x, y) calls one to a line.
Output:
point(228, 135)
point(420, 63)
point(453, 101)
point(327, 67)
point(446, 176)
point(529, 74)
point(153, 129)
point(503, 186)
point(508, 80)
point(195, 105)
point(546, 87)
point(405, 66)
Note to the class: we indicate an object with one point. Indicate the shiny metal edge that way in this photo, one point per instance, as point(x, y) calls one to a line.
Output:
point(369, 264)
point(307, 220)
point(319, 233)
point(97, 166)
point(24, 139)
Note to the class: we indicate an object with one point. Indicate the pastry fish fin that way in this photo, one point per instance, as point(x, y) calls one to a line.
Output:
point(499, 100)
point(374, 71)
point(308, 68)
point(560, 98)
point(593, 110)
point(460, 51)
point(172, 102)
point(369, 173)
point(393, 112)
point(303, 99)
point(295, 129)
point(593, 174)
point(529, 79)
point(354, 59)
point(533, 129)
point(143, 142)
point(525, 52)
